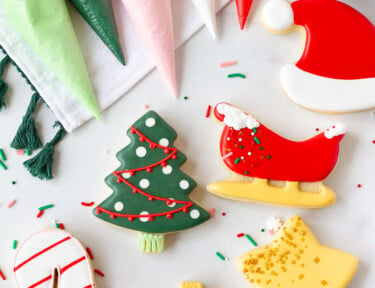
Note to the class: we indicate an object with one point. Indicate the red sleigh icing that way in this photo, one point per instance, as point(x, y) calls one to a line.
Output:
point(255, 155)
point(259, 152)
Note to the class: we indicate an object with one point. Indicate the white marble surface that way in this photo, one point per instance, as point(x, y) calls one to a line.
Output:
point(81, 165)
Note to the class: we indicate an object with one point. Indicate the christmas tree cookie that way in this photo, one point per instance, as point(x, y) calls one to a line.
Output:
point(270, 169)
point(150, 192)
point(297, 259)
point(336, 72)
point(53, 258)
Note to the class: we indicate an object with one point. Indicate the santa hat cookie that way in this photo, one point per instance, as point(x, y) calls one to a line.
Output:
point(336, 72)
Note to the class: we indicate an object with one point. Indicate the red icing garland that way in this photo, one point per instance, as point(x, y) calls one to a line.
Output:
point(148, 168)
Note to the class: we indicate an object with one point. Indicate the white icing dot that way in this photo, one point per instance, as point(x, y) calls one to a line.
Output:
point(194, 214)
point(119, 206)
point(240, 139)
point(143, 219)
point(172, 204)
point(252, 133)
point(144, 183)
point(163, 142)
point(126, 175)
point(228, 138)
point(150, 122)
point(249, 153)
point(242, 157)
point(141, 151)
point(184, 184)
point(167, 170)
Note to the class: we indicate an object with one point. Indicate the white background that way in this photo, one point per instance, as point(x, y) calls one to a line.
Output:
point(82, 163)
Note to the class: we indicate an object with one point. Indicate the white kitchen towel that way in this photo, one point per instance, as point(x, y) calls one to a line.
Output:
point(110, 79)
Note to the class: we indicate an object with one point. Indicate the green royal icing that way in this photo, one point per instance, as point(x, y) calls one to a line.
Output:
point(151, 243)
point(47, 28)
point(165, 182)
point(99, 15)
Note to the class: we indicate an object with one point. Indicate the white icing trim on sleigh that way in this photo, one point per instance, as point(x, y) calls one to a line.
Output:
point(52, 249)
point(235, 118)
point(336, 130)
point(278, 15)
point(326, 94)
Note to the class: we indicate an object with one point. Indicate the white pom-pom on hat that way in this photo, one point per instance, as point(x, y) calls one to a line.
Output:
point(235, 118)
point(335, 130)
point(278, 15)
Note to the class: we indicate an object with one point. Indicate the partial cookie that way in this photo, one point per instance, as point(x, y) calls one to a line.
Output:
point(191, 285)
point(270, 169)
point(296, 259)
point(53, 257)
point(150, 192)
point(336, 72)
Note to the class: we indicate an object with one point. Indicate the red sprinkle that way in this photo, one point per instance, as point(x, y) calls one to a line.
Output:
point(208, 111)
point(2, 275)
point(223, 213)
point(359, 185)
point(373, 141)
point(61, 225)
point(87, 204)
point(317, 129)
point(99, 272)
point(212, 212)
point(240, 235)
point(40, 213)
point(90, 253)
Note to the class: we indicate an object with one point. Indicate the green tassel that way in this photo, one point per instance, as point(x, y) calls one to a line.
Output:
point(3, 90)
point(41, 165)
point(3, 85)
point(27, 137)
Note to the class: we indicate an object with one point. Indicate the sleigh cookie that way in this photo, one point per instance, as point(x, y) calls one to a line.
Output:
point(268, 168)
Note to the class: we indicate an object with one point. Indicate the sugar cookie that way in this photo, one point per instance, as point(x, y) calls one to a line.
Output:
point(150, 192)
point(268, 168)
point(53, 256)
point(296, 259)
point(336, 72)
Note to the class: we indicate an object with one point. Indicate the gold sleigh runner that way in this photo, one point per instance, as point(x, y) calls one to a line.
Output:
point(260, 190)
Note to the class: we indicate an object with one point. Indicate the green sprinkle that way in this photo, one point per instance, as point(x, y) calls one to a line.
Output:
point(255, 130)
point(269, 157)
point(246, 172)
point(14, 244)
point(57, 225)
point(46, 207)
point(237, 161)
point(262, 230)
point(236, 75)
point(28, 152)
point(14, 182)
point(256, 139)
point(260, 148)
point(251, 240)
point(241, 147)
point(220, 256)
point(2, 155)
point(186, 97)
point(3, 165)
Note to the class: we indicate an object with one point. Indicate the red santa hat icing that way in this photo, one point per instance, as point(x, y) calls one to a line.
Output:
point(336, 72)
